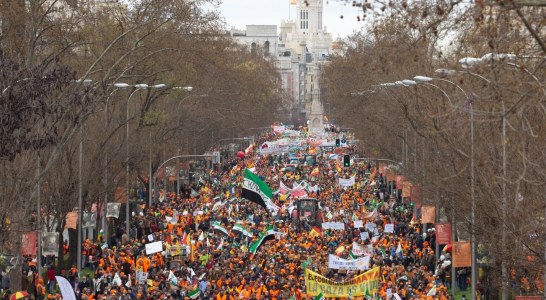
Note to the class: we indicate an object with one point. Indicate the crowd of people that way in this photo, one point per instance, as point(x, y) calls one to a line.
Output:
point(206, 254)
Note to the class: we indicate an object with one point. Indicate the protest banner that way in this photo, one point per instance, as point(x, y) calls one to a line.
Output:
point(361, 285)
point(443, 233)
point(358, 224)
point(428, 214)
point(339, 263)
point(399, 181)
point(65, 288)
point(89, 220)
point(461, 254)
point(333, 225)
point(360, 250)
point(112, 210)
point(50, 243)
point(389, 228)
point(416, 194)
point(154, 247)
point(71, 220)
point(29, 243)
point(347, 182)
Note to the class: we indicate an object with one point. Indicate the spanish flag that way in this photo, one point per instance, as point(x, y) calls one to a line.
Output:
point(315, 172)
point(315, 231)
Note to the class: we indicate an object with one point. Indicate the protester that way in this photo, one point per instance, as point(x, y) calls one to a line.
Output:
point(218, 245)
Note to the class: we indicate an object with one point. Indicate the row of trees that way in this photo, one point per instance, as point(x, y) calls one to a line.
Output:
point(474, 138)
point(59, 63)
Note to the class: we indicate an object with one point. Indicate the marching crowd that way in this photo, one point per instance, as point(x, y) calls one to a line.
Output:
point(209, 235)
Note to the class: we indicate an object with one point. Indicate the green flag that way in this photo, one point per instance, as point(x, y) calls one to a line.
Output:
point(194, 294)
point(319, 297)
point(257, 191)
point(254, 246)
point(306, 263)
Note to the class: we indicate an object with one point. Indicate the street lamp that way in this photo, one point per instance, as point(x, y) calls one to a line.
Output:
point(188, 89)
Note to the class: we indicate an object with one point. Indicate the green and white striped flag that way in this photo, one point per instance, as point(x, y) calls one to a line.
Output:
point(218, 226)
point(194, 294)
point(257, 191)
point(254, 246)
point(241, 228)
point(306, 263)
point(172, 279)
point(320, 297)
point(352, 255)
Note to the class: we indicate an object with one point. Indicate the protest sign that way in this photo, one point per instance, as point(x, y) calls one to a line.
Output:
point(346, 182)
point(154, 247)
point(389, 228)
point(361, 285)
point(364, 235)
point(112, 210)
point(50, 243)
point(333, 225)
point(358, 224)
point(339, 263)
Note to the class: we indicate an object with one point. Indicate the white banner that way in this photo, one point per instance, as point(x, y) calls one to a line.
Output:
point(273, 148)
point(360, 250)
point(333, 225)
point(50, 243)
point(339, 263)
point(112, 210)
point(389, 228)
point(66, 288)
point(347, 182)
point(154, 247)
point(358, 223)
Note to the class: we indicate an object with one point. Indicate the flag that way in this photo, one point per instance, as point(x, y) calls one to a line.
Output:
point(293, 2)
point(352, 255)
point(241, 228)
point(315, 231)
point(194, 294)
point(293, 297)
point(306, 263)
point(194, 193)
point(257, 191)
point(254, 246)
point(340, 250)
point(201, 236)
point(432, 291)
point(320, 297)
point(172, 279)
point(315, 172)
point(128, 283)
point(218, 226)
point(399, 249)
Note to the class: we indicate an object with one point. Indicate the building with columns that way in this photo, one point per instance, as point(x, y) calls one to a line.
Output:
point(298, 50)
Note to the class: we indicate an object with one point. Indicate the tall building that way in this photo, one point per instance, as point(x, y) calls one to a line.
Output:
point(300, 48)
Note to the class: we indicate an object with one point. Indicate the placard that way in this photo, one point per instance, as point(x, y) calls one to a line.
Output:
point(112, 210)
point(389, 228)
point(364, 235)
point(358, 224)
point(29, 243)
point(339, 263)
point(154, 247)
point(50, 243)
point(71, 220)
point(89, 220)
point(333, 225)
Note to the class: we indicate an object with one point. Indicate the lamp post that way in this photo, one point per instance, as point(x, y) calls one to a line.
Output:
point(138, 87)
point(188, 89)
point(85, 82)
point(507, 60)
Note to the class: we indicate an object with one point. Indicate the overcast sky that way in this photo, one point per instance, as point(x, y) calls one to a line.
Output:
point(239, 13)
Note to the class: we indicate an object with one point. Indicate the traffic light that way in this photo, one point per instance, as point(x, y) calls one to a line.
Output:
point(346, 160)
point(338, 143)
